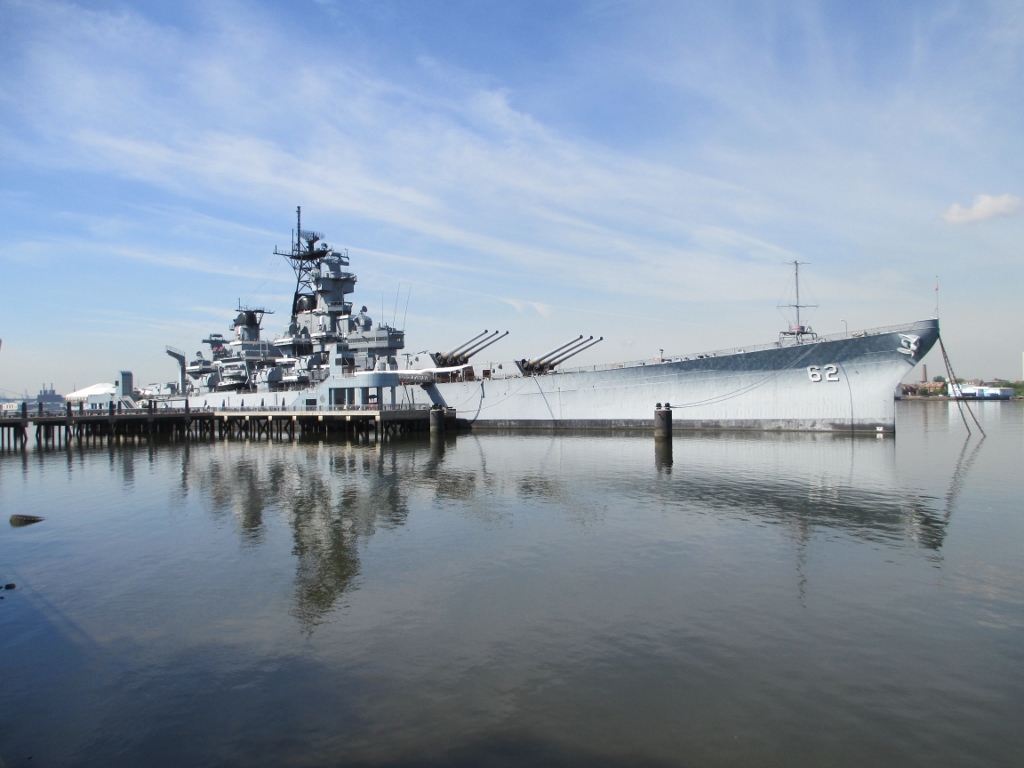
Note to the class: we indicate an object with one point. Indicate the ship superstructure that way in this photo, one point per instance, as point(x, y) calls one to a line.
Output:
point(322, 333)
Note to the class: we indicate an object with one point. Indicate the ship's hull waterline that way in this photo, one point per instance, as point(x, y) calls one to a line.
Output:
point(838, 384)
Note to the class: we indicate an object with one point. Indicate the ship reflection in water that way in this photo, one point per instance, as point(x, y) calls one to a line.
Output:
point(332, 495)
point(552, 599)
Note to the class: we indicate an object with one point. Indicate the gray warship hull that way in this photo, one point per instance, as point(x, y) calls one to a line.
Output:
point(839, 384)
point(833, 384)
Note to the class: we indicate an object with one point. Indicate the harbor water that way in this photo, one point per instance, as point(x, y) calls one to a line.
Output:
point(723, 599)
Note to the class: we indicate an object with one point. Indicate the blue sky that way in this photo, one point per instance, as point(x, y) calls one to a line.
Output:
point(638, 170)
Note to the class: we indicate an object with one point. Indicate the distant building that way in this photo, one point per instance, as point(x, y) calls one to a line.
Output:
point(100, 396)
point(95, 397)
point(49, 399)
point(965, 392)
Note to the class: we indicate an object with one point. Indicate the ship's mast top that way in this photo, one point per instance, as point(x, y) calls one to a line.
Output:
point(797, 305)
point(798, 330)
point(796, 278)
point(307, 252)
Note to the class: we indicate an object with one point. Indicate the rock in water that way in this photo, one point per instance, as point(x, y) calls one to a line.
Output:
point(19, 520)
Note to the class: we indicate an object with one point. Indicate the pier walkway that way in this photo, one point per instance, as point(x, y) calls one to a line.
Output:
point(118, 424)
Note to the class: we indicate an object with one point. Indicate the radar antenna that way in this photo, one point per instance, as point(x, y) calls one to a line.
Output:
point(306, 253)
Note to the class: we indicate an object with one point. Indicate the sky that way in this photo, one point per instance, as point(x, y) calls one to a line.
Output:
point(642, 171)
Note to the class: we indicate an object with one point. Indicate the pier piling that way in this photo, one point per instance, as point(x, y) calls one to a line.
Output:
point(663, 422)
point(436, 420)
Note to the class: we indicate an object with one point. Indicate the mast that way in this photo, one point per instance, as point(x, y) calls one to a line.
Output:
point(796, 277)
point(798, 331)
point(797, 305)
point(305, 256)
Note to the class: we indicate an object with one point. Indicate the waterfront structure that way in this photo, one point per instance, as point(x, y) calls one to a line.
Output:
point(962, 392)
point(94, 397)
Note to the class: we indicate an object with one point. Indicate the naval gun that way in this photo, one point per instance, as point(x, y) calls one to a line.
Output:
point(459, 355)
point(547, 362)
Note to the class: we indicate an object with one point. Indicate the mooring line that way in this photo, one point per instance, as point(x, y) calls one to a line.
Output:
point(952, 384)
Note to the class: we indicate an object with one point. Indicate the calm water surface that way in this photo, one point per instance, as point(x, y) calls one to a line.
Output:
point(746, 600)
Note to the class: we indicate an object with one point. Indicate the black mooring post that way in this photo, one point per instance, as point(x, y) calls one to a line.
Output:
point(663, 421)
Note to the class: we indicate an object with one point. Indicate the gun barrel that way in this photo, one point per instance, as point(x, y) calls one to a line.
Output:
point(565, 356)
point(469, 350)
point(538, 360)
point(455, 350)
point(546, 360)
point(496, 336)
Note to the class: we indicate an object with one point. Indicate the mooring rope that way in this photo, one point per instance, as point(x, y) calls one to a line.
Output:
point(953, 385)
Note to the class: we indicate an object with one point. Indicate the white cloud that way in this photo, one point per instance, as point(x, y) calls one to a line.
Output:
point(985, 207)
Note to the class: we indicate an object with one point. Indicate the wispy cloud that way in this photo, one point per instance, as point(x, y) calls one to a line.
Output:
point(543, 310)
point(985, 207)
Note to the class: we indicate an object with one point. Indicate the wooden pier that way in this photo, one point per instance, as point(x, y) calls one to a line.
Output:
point(113, 425)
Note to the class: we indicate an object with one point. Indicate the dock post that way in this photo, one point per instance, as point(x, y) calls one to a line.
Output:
point(436, 420)
point(663, 422)
point(663, 438)
point(23, 430)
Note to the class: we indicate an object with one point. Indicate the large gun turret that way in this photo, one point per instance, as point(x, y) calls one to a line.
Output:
point(460, 354)
point(549, 358)
point(481, 346)
point(547, 362)
point(537, 362)
point(459, 347)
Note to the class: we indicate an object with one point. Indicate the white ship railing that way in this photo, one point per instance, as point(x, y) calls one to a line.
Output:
point(101, 414)
point(310, 408)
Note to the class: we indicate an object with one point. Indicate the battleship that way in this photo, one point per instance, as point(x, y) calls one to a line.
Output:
point(332, 357)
